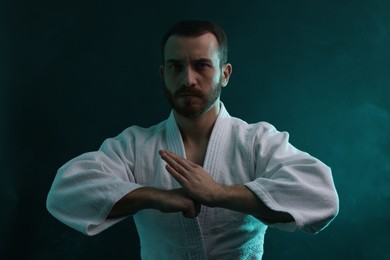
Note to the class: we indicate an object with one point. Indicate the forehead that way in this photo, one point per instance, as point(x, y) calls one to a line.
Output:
point(204, 46)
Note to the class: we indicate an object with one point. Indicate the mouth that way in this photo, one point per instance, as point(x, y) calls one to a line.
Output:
point(188, 94)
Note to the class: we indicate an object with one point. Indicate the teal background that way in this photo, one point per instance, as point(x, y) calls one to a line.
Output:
point(73, 73)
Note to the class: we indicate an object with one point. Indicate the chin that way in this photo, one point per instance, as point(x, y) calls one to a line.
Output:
point(193, 112)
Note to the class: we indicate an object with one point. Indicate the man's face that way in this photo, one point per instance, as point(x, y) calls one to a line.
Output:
point(192, 74)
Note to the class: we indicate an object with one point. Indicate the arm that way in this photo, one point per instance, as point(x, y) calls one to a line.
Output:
point(152, 198)
point(240, 198)
point(201, 187)
point(86, 188)
point(287, 179)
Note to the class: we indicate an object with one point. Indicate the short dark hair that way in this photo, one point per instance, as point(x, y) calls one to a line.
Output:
point(196, 28)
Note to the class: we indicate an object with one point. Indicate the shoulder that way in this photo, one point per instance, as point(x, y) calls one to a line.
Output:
point(256, 135)
point(143, 132)
point(136, 134)
point(256, 129)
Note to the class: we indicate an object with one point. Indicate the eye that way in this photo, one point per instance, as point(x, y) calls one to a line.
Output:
point(202, 65)
point(175, 66)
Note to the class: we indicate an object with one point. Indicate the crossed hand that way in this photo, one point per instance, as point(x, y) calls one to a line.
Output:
point(197, 184)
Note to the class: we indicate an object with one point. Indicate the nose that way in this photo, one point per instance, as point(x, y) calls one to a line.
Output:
point(188, 77)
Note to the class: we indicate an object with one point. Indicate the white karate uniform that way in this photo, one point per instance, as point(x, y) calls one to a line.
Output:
point(257, 155)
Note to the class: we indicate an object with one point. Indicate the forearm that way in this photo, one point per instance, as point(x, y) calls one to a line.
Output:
point(152, 198)
point(134, 201)
point(199, 186)
point(240, 198)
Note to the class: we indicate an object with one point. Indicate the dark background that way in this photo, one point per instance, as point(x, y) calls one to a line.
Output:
point(73, 73)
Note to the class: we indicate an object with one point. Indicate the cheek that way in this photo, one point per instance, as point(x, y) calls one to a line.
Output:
point(167, 79)
point(217, 78)
point(170, 83)
point(170, 77)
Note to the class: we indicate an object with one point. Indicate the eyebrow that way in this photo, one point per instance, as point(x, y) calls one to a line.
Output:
point(172, 61)
point(197, 60)
point(204, 60)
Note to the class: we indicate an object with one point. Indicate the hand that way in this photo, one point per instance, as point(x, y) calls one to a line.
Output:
point(176, 200)
point(196, 182)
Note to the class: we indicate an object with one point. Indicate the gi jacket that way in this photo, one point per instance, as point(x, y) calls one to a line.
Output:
point(256, 155)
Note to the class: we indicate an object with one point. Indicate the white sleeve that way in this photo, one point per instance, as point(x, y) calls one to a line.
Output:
point(87, 187)
point(292, 181)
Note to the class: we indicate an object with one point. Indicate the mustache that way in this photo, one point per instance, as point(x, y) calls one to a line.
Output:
point(185, 92)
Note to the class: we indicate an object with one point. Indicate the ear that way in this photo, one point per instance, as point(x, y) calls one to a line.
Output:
point(162, 70)
point(226, 72)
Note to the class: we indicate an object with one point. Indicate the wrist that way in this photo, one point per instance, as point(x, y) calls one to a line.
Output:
point(154, 198)
point(219, 196)
point(229, 196)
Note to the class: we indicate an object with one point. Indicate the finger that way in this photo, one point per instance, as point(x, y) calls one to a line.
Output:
point(171, 161)
point(197, 207)
point(176, 175)
point(168, 159)
point(192, 164)
point(175, 161)
point(187, 163)
point(192, 212)
point(180, 160)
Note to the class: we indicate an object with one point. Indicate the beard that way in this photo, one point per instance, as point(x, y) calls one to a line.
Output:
point(182, 100)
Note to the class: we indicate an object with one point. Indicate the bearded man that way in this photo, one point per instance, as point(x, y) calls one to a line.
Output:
point(201, 184)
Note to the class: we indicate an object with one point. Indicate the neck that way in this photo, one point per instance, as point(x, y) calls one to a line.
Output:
point(198, 130)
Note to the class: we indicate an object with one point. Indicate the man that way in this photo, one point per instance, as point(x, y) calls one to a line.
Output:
point(202, 184)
